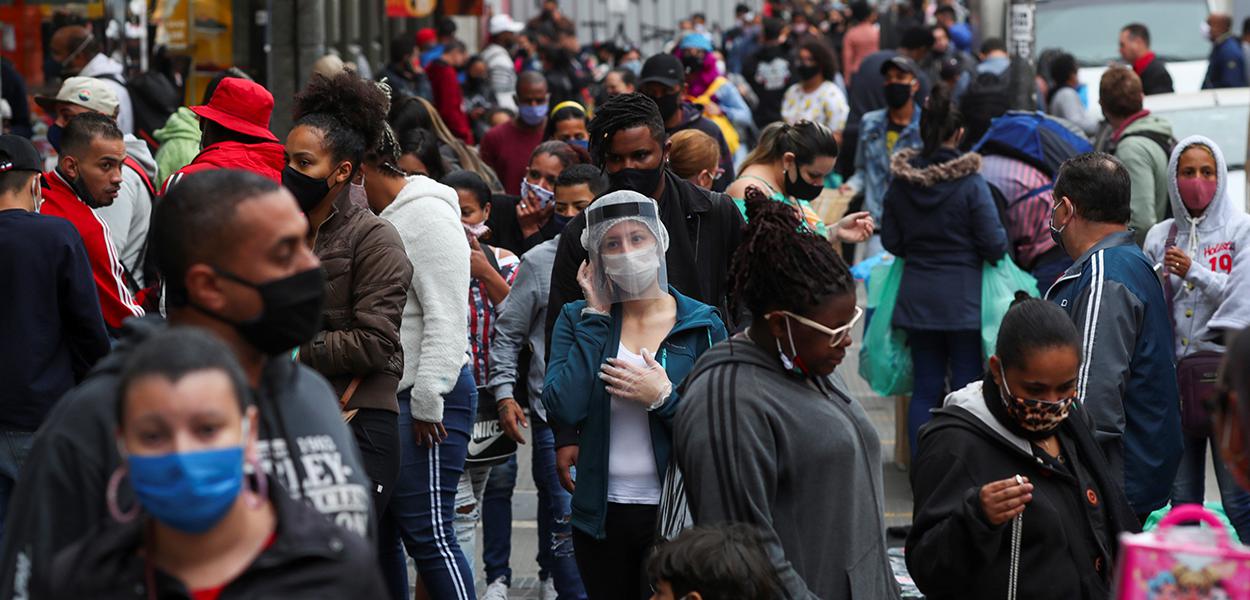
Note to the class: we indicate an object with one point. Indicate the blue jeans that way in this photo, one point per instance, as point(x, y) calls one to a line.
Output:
point(497, 520)
point(1190, 485)
point(555, 532)
point(933, 355)
point(14, 447)
point(422, 507)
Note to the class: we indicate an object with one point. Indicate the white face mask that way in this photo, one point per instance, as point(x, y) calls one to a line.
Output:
point(476, 230)
point(633, 271)
point(36, 194)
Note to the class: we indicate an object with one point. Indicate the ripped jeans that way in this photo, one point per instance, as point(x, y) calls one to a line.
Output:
point(555, 558)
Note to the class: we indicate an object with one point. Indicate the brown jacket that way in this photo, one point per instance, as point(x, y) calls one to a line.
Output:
point(367, 280)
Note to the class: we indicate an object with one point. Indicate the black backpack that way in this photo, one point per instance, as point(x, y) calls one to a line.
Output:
point(990, 96)
point(153, 98)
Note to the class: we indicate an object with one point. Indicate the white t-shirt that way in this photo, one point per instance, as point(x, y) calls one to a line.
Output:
point(632, 477)
point(825, 105)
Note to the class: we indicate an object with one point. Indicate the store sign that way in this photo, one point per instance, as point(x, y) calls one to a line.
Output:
point(410, 8)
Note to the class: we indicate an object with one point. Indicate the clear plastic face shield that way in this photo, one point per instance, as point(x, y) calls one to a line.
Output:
point(626, 242)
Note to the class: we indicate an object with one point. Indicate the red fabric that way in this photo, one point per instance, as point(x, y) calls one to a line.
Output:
point(1120, 130)
point(506, 148)
point(449, 99)
point(215, 592)
point(266, 159)
point(1140, 64)
point(116, 302)
point(240, 105)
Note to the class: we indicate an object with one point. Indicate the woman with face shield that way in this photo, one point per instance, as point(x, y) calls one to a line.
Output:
point(615, 363)
point(1012, 494)
point(193, 514)
point(1201, 252)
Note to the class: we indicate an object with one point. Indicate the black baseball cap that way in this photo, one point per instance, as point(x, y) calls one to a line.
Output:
point(665, 69)
point(901, 63)
point(18, 154)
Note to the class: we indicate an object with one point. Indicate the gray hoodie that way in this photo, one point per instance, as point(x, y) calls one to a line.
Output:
point(1215, 294)
point(127, 218)
point(795, 457)
point(520, 323)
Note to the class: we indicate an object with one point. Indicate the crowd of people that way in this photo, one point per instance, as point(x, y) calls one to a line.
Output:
point(245, 365)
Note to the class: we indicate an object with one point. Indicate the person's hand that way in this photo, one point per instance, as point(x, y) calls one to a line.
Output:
point(855, 228)
point(531, 215)
point(512, 419)
point(479, 265)
point(586, 279)
point(846, 188)
point(646, 384)
point(1177, 262)
point(566, 457)
point(428, 434)
point(1003, 500)
point(712, 110)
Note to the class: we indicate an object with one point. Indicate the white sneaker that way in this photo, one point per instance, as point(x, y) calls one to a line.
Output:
point(497, 590)
point(549, 589)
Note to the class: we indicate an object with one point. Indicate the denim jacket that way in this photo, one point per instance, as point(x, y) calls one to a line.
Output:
point(872, 161)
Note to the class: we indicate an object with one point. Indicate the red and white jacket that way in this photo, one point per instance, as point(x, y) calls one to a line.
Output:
point(116, 301)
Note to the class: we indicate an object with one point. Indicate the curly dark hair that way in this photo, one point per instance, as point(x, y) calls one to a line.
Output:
point(350, 113)
point(781, 265)
point(623, 111)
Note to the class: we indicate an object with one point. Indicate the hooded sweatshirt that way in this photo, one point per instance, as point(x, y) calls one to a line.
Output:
point(434, 330)
point(303, 444)
point(938, 214)
point(1069, 528)
point(265, 158)
point(180, 142)
point(1147, 166)
point(128, 217)
point(108, 70)
point(1214, 296)
point(794, 456)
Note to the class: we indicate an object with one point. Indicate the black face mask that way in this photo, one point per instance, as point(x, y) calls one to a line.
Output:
point(693, 64)
point(80, 188)
point(308, 191)
point(668, 103)
point(808, 71)
point(897, 95)
point(290, 313)
point(643, 181)
point(799, 189)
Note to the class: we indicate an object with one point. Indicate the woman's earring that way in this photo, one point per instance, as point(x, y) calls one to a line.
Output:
point(110, 498)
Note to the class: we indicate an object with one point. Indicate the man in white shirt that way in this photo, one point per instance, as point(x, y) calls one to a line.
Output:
point(499, 61)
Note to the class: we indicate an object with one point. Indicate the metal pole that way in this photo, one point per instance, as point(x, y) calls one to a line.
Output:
point(1021, 27)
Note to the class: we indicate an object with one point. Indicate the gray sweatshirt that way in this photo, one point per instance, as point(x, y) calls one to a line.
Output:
point(520, 322)
point(1066, 104)
point(798, 459)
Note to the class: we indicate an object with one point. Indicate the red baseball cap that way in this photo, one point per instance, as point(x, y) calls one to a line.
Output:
point(426, 37)
point(240, 105)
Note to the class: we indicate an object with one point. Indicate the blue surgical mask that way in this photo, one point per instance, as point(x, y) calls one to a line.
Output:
point(583, 144)
point(632, 65)
point(532, 115)
point(189, 491)
point(560, 220)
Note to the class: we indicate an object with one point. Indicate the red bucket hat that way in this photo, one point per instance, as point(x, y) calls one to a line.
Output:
point(240, 105)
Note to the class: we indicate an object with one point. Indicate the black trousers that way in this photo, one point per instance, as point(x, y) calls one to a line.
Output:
point(377, 435)
point(615, 568)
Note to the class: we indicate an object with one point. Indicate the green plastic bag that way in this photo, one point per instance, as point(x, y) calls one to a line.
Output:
point(999, 284)
point(884, 358)
point(1153, 520)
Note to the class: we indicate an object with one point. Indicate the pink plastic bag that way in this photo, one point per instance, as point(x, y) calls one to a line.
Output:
point(1172, 562)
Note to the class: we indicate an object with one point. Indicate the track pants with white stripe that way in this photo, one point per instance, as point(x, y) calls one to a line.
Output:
point(421, 512)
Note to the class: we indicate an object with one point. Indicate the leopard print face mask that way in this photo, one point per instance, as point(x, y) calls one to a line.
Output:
point(1037, 416)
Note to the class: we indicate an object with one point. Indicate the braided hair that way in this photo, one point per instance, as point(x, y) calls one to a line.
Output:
point(780, 265)
point(620, 112)
point(350, 113)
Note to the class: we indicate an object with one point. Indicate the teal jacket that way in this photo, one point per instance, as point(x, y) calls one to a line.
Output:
point(575, 397)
